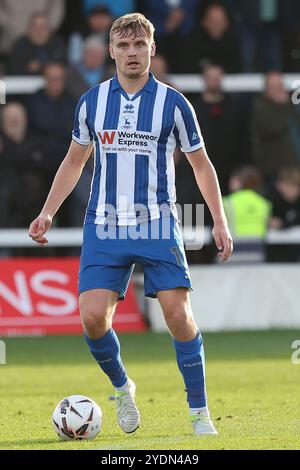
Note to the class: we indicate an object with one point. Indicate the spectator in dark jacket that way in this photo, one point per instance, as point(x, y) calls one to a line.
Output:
point(217, 113)
point(273, 112)
point(212, 41)
point(51, 113)
point(173, 21)
point(22, 173)
point(15, 14)
point(286, 199)
point(39, 47)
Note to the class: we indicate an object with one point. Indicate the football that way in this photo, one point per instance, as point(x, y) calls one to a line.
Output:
point(76, 418)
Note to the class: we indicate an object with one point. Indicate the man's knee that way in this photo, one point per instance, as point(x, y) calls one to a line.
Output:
point(96, 317)
point(178, 314)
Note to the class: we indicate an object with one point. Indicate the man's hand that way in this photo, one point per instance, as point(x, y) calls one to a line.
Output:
point(39, 227)
point(223, 240)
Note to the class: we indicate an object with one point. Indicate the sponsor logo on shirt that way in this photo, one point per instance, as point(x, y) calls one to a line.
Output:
point(107, 137)
point(127, 122)
point(120, 141)
point(129, 108)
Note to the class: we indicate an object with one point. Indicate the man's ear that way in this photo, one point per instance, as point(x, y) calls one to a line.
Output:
point(153, 49)
point(111, 52)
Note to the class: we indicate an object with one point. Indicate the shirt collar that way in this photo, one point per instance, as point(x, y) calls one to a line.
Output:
point(149, 86)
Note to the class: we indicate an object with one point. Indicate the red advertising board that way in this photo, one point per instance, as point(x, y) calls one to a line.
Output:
point(39, 297)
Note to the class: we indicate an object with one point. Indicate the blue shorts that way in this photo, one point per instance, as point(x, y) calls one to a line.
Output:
point(108, 262)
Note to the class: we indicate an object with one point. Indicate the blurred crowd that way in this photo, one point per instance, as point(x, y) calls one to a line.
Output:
point(252, 139)
point(238, 35)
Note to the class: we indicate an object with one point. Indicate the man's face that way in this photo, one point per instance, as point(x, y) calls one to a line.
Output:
point(94, 57)
point(159, 66)
point(55, 80)
point(39, 30)
point(216, 22)
point(289, 190)
point(213, 77)
point(100, 23)
point(14, 119)
point(132, 54)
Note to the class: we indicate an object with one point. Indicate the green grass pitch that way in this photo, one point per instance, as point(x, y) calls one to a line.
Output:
point(253, 391)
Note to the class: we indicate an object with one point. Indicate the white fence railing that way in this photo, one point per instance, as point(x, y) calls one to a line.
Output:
point(62, 237)
point(185, 83)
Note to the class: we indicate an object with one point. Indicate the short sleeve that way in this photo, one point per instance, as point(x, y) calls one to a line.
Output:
point(81, 133)
point(187, 129)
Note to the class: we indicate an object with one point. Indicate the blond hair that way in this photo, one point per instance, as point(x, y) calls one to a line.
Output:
point(132, 24)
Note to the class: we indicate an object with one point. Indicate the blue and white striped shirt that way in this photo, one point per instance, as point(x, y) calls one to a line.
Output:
point(134, 142)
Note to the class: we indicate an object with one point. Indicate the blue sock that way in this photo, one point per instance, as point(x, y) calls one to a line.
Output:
point(191, 363)
point(106, 351)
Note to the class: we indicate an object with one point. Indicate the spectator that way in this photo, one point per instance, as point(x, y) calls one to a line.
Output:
point(117, 7)
point(98, 24)
point(173, 21)
point(259, 33)
point(218, 116)
point(51, 112)
point(22, 172)
point(248, 215)
point(39, 47)
point(168, 15)
point(247, 211)
point(160, 69)
point(273, 112)
point(91, 71)
point(212, 41)
point(15, 15)
point(286, 199)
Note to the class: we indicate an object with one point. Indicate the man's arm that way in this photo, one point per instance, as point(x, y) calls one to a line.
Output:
point(63, 184)
point(208, 184)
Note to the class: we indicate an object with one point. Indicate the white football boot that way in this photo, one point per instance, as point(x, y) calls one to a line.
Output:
point(203, 425)
point(127, 412)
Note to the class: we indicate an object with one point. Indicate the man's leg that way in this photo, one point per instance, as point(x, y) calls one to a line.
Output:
point(97, 308)
point(189, 349)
